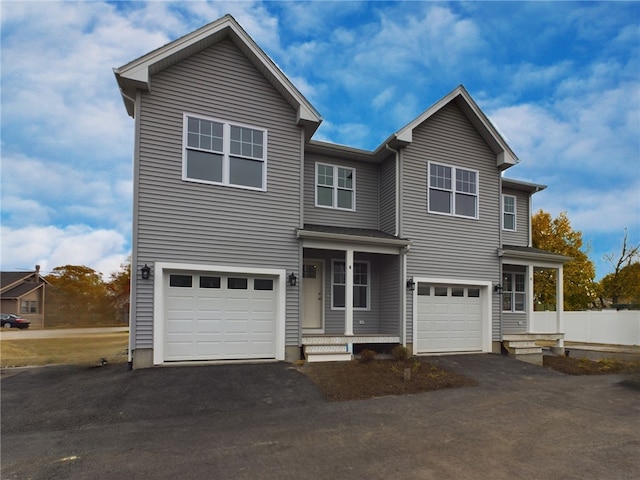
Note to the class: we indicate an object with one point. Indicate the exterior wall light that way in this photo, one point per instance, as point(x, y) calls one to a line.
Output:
point(145, 272)
point(498, 288)
point(411, 285)
point(293, 280)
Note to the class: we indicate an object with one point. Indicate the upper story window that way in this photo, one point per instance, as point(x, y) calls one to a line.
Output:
point(224, 154)
point(453, 191)
point(509, 212)
point(335, 187)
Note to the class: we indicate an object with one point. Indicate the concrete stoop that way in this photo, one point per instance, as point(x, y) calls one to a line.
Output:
point(525, 346)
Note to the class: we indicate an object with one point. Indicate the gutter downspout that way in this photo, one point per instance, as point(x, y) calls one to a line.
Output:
point(500, 220)
point(403, 252)
point(133, 301)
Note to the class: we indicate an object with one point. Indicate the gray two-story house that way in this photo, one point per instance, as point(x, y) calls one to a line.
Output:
point(253, 241)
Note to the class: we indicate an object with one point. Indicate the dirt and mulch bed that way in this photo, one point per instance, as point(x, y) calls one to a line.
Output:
point(584, 366)
point(358, 380)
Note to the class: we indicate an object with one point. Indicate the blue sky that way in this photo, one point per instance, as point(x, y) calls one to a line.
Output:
point(561, 81)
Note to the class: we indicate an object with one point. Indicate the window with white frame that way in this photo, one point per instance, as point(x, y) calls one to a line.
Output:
point(509, 212)
point(360, 285)
point(224, 154)
point(453, 191)
point(513, 292)
point(335, 187)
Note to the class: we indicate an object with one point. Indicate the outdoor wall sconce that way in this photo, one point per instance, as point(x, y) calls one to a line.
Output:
point(498, 288)
point(293, 280)
point(411, 285)
point(145, 271)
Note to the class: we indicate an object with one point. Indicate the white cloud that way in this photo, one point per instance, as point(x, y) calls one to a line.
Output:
point(101, 249)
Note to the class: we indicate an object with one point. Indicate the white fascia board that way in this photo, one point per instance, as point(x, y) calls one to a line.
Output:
point(352, 238)
point(551, 260)
point(351, 245)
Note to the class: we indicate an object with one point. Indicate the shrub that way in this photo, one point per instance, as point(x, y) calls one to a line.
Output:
point(400, 353)
point(367, 355)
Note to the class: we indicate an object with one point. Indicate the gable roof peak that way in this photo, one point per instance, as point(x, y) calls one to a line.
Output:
point(505, 157)
point(136, 75)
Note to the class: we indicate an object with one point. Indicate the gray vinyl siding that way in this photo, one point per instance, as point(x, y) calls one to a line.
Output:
point(521, 236)
point(446, 246)
point(366, 214)
point(388, 196)
point(180, 221)
point(389, 294)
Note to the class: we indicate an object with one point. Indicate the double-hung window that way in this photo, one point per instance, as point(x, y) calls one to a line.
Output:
point(453, 191)
point(224, 154)
point(513, 292)
point(335, 187)
point(509, 212)
point(28, 306)
point(360, 285)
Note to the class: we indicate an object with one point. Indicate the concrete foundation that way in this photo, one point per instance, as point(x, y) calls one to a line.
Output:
point(142, 358)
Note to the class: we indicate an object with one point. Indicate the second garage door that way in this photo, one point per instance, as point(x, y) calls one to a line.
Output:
point(449, 319)
point(217, 316)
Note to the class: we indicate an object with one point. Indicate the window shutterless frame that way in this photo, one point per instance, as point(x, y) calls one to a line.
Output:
point(361, 285)
point(453, 191)
point(223, 153)
point(335, 187)
point(509, 213)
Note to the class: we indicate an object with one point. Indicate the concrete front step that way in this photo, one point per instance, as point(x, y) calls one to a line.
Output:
point(532, 336)
point(328, 357)
point(327, 353)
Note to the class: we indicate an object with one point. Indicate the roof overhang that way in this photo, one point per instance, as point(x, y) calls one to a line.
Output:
point(532, 255)
point(505, 157)
point(136, 75)
point(348, 236)
point(522, 186)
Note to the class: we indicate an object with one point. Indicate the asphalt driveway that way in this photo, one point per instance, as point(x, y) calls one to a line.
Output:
point(268, 421)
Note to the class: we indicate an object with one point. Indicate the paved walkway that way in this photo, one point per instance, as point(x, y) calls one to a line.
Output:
point(268, 421)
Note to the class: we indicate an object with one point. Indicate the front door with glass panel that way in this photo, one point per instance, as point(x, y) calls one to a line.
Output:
point(312, 288)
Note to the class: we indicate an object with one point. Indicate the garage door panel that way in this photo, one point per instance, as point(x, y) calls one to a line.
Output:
point(451, 323)
point(217, 322)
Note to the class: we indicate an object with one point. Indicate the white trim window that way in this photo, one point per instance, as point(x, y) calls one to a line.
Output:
point(222, 153)
point(453, 191)
point(509, 212)
point(335, 187)
point(361, 290)
point(513, 292)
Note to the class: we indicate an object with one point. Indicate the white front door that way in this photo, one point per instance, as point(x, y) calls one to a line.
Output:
point(312, 288)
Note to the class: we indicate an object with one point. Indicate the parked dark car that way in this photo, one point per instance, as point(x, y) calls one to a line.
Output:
point(9, 320)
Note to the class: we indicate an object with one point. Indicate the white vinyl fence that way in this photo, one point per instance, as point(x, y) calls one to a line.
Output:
point(606, 326)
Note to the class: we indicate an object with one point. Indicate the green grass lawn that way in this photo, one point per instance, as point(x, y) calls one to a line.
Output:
point(85, 349)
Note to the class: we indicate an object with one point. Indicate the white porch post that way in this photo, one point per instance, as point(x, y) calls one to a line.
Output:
point(530, 299)
point(560, 305)
point(348, 294)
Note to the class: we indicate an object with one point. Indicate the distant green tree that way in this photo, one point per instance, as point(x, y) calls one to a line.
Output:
point(556, 235)
point(119, 290)
point(78, 297)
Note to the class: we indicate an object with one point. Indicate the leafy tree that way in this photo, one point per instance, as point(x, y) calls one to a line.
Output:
point(78, 297)
point(556, 235)
point(623, 284)
point(119, 290)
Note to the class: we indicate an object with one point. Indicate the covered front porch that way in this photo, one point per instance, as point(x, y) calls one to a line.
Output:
point(531, 279)
point(352, 290)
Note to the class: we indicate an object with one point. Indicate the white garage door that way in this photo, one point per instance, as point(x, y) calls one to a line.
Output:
point(449, 318)
point(217, 316)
